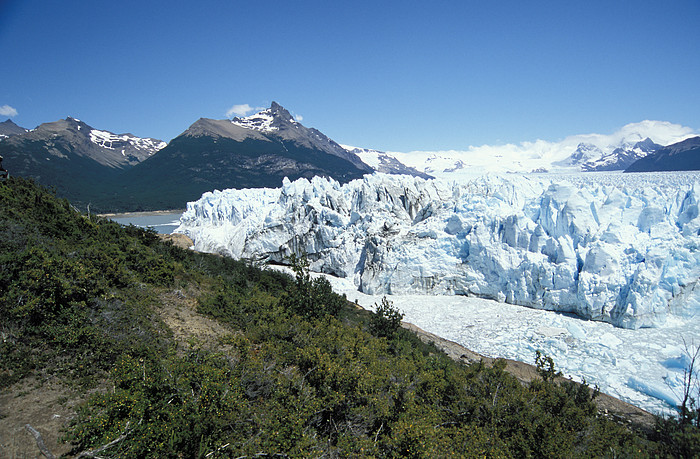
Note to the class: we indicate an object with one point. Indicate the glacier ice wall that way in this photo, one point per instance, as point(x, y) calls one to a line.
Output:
point(622, 250)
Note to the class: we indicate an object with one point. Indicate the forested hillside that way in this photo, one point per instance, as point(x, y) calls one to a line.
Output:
point(283, 368)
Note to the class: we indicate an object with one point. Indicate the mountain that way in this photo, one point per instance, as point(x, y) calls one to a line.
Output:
point(8, 128)
point(621, 157)
point(384, 162)
point(73, 157)
point(251, 152)
point(576, 153)
point(681, 156)
point(584, 152)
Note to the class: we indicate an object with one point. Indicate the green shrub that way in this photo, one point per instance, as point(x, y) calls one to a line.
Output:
point(310, 298)
point(386, 319)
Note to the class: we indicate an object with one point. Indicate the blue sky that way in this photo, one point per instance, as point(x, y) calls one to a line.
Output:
point(391, 75)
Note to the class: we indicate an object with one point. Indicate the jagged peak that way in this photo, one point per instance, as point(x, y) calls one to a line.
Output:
point(268, 120)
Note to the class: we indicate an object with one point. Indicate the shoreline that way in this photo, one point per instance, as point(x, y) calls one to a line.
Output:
point(145, 213)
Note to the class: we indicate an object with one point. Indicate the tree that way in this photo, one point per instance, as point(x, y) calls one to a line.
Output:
point(310, 297)
point(689, 409)
point(386, 319)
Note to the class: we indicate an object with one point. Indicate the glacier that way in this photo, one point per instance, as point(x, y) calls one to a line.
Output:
point(621, 249)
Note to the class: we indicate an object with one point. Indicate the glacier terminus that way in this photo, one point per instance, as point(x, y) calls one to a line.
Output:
point(607, 247)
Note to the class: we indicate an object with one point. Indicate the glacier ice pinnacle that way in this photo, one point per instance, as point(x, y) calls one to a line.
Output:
point(614, 248)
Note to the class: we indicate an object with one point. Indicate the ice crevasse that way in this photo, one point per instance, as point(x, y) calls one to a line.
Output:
point(623, 251)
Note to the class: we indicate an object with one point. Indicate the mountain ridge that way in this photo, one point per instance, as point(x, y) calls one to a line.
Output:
point(8, 128)
point(251, 152)
point(680, 156)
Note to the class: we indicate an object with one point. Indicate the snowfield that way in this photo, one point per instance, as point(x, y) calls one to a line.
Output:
point(618, 250)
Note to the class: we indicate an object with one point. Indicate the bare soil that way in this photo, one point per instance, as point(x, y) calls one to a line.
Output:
point(178, 310)
point(178, 240)
point(47, 406)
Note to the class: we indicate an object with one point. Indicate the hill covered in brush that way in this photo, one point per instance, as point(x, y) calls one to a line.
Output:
point(171, 353)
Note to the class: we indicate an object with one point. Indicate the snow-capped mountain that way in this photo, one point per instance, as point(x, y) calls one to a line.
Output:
point(255, 151)
point(277, 123)
point(681, 156)
point(383, 162)
point(127, 145)
point(589, 152)
point(584, 153)
point(8, 128)
point(615, 248)
point(76, 159)
point(621, 157)
point(69, 138)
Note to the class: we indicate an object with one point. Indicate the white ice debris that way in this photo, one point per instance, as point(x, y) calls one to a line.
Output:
point(643, 367)
point(616, 248)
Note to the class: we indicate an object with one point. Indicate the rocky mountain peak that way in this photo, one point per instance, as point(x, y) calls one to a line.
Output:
point(279, 111)
point(9, 128)
point(268, 120)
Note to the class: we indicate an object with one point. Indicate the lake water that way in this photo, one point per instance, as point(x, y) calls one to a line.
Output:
point(162, 222)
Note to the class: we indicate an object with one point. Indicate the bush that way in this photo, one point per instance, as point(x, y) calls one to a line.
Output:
point(310, 298)
point(386, 320)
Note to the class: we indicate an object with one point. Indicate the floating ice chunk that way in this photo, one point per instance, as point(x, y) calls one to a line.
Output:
point(550, 331)
point(609, 340)
point(681, 362)
point(576, 331)
point(656, 390)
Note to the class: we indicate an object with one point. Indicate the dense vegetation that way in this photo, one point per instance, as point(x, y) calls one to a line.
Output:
point(300, 372)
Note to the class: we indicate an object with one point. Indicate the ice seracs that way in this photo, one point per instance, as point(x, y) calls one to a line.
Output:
point(619, 249)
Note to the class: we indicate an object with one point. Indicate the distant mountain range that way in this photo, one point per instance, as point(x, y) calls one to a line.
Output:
point(577, 153)
point(621, 157)
point(71, 156)
point(681, 156)
point(122, 172)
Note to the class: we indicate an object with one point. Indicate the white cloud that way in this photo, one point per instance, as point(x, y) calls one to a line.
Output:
point(242, 110)
point(239, 110)
point(6, 110)
point(299, 118)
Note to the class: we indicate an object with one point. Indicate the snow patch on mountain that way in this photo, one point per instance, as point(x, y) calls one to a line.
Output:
point(267, 120)
point(614, 248)
point(259, 122)
point(383, 162)
point(106, 139)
